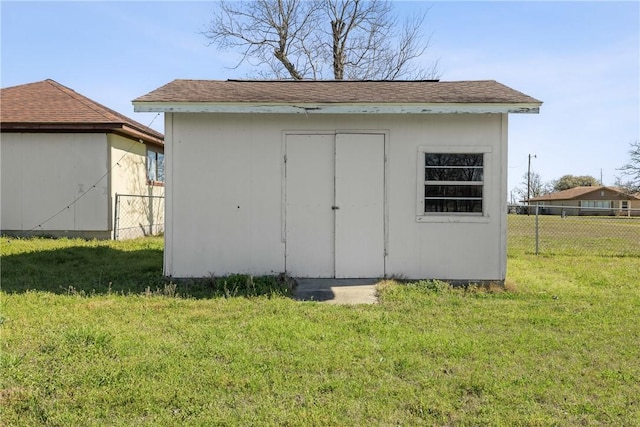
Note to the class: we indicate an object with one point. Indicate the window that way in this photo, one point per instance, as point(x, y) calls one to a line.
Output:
point(597, 204)
point(451, 183)
point(155, 166)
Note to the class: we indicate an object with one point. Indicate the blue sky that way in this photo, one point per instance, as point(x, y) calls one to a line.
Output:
point(581, 58)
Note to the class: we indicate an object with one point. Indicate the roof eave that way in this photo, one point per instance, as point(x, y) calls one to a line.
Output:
point(133, 133)
point(57, 127)
point(117, 128)
point(331, 108)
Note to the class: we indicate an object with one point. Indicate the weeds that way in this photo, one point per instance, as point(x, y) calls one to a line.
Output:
point(238, 285)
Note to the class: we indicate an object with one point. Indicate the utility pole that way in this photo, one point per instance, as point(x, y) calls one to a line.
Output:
point(529, 183)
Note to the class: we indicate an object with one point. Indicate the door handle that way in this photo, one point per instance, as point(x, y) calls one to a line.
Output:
point(335, 208)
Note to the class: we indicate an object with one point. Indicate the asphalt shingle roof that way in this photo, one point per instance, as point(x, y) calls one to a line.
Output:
point(335, 92)
point(49, 105)
point(576, 192)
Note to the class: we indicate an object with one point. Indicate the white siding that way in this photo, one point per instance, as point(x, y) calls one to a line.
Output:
point(226, 193)
point(44, 173)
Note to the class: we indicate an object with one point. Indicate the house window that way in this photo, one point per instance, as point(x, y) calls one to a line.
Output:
point(597, 204)
point(155, 166)
point(451, 182)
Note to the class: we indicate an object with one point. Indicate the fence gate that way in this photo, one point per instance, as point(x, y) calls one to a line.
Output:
point(137, 216)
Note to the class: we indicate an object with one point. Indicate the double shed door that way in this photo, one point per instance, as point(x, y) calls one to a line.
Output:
point(334, 208)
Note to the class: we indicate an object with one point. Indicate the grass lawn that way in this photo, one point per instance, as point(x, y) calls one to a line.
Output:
point(100, 340)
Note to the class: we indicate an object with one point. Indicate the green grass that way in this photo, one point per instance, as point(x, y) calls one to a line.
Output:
point(92, 267)
point(559, 346)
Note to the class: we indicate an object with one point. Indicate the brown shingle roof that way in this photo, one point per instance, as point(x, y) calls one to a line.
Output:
point(333, 91)
point(576, 192)
point(49, 106)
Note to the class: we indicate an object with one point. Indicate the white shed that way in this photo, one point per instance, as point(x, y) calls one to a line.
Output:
point(345, 179)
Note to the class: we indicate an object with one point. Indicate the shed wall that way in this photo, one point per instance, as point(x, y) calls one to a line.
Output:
point(225, 193)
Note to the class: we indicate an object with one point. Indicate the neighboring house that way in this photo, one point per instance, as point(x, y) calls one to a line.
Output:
point(65, 157)
point(597, 200)
point(337, 178)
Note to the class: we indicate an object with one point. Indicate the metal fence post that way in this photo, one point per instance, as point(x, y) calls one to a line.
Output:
point(116, 218)
point(537, 231)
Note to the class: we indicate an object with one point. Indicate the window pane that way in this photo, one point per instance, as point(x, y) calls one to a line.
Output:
point(160, 168)
point(444, 159)
point(460, 206)
point(151, 165)
point(449, 174)
point(463, 191)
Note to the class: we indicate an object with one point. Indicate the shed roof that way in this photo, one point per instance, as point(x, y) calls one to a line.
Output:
point(577, 192)
point(389, 96)
point(48, 106)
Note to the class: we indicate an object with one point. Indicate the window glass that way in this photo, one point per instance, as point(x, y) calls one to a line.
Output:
point(448, 205)
point(160, 167)
point(155, 166)
point(464, 191)
point(151, 165)
point(453, 182)
point(601, 204)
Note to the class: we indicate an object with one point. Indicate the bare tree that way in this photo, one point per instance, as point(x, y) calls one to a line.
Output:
point(298, 39)
point(631, 170)
point(628, 187)
point(534, 184)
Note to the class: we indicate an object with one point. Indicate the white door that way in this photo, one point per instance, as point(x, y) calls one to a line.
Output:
point(359, 217)
point(309, 223)
point(334, 213)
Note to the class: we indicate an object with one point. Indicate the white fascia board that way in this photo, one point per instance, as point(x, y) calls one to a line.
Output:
point(452, 108)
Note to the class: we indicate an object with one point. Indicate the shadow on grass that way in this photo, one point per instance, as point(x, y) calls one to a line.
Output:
point(102, 270)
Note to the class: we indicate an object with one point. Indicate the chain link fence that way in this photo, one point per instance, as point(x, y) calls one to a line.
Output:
point(572, 230)
point(138, 216)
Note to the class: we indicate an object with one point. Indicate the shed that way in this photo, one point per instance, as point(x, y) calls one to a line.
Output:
point(344, 179)
point(65, 158)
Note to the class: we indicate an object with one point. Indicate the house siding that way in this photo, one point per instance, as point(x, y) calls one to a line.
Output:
point(129, 176)
point(43, 172)
point(226, 193)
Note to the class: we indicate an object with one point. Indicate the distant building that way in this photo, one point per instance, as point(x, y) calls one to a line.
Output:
point(597, 200)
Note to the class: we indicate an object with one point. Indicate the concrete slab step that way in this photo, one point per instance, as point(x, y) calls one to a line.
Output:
point(336, 291)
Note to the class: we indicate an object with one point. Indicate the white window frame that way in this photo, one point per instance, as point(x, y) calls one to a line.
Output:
point(470, 217)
